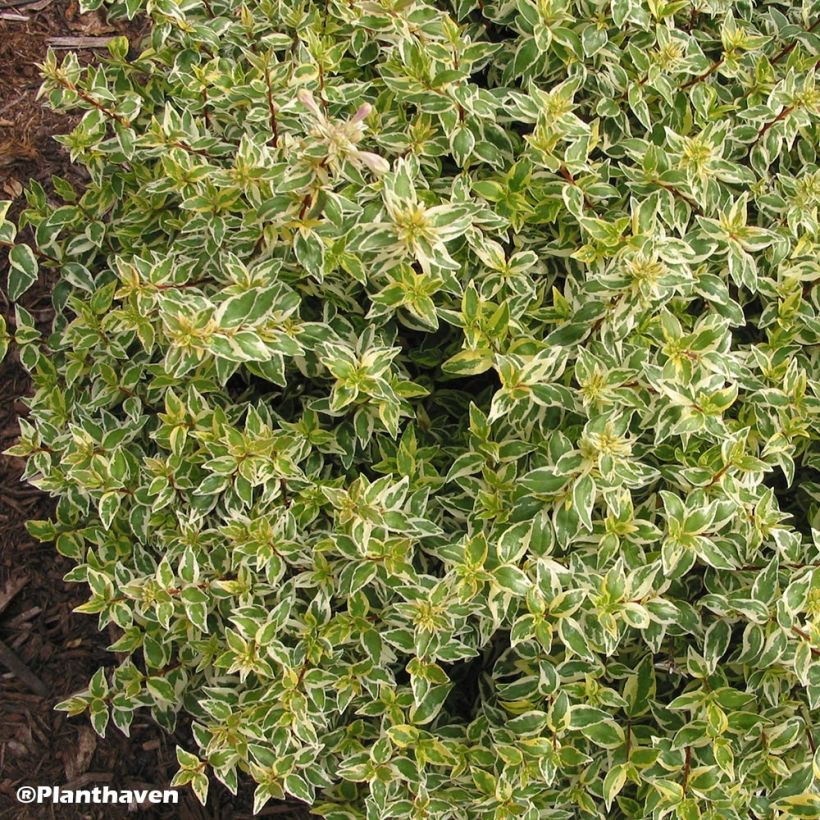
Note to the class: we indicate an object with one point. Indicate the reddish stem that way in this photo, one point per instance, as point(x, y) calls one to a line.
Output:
point(695, 80)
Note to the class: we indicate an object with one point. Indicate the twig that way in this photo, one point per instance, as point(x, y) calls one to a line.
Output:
point(205, 112)
point(693, 16)
point(708, 73)
point(790, 565)
point(86, 97)
point(687, 766)
point(10, 589)
point(189, 148)
point(680, 195)
point(639, 384)
point(806, 637)
point(718, 475)
point(21, 671)
point(781, 116)
point(565, 173)
point(274, 126)
point(642, 82)
point(790, 47)
point(601, 319)
point(37, 252)
point(79, 42)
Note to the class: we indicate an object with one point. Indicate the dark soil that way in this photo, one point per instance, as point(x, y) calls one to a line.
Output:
point(61, 649)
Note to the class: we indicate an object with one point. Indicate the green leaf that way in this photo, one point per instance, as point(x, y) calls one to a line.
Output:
point(4, 339)
point(22, 271)
point(469, 362)
point(572, 636)
point(511, 579)
point(607, 734)
point(583, 499)
point(544, 481)
point(614, 781)
point(583, 716)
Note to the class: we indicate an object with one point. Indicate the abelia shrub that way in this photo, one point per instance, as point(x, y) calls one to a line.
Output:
point(432, 400)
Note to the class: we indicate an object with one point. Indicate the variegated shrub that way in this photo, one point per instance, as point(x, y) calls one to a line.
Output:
point(432, 401)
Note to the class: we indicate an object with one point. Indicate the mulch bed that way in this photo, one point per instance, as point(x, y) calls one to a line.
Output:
point(59, 648)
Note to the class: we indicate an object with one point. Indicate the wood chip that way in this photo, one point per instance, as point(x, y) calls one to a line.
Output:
point(21, 671)
point(7, 499)
point(17, 749)
point(78, 760)
point(19, 620)
point(12, 188)
point(24, 696)
point(79, 42)
point(10, 589)
point(90, 777)
point(11, 17)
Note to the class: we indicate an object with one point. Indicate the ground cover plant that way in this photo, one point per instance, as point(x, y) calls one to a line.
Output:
point(432, 400)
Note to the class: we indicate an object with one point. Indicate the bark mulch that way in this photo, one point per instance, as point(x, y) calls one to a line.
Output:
point(55, 651)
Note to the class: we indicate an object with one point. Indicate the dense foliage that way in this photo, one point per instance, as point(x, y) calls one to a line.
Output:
point(432, 401)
